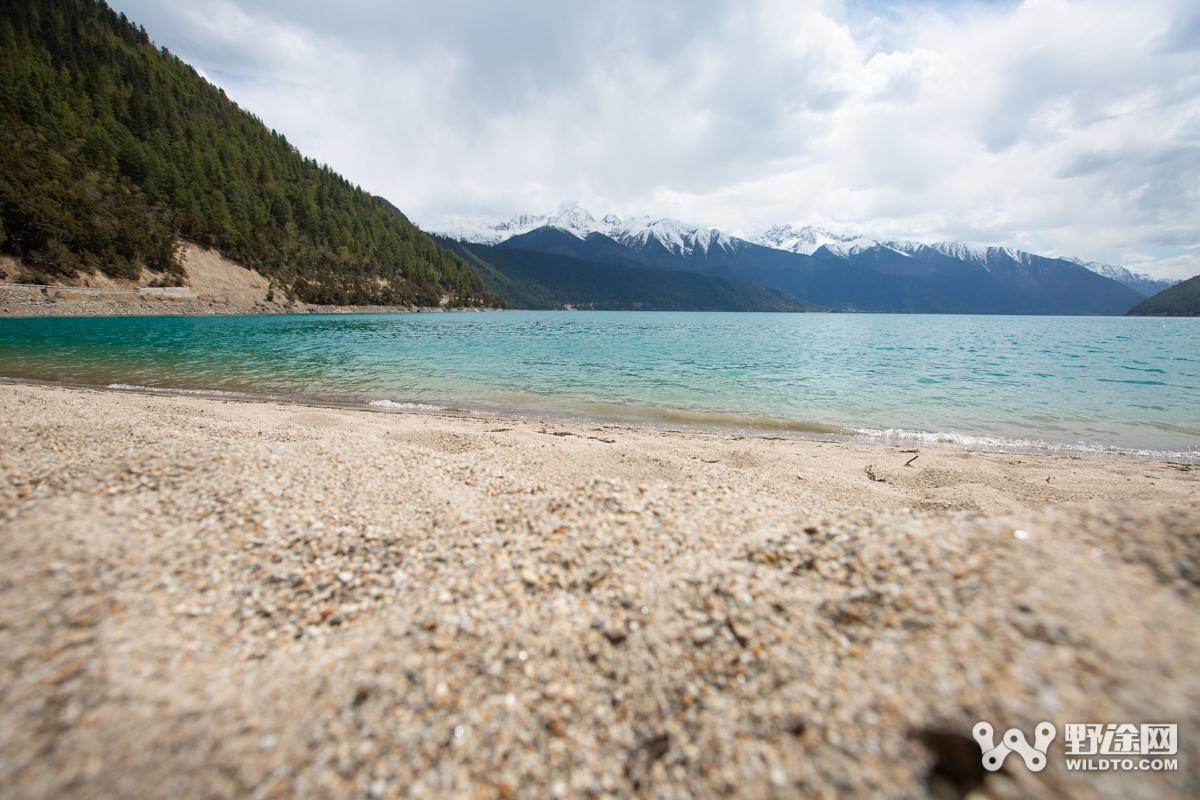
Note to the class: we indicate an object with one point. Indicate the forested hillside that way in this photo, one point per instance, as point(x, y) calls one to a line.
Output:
point(1181, 300)
point(112, 150)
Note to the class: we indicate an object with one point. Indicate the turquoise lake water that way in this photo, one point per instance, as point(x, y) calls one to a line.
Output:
point(1072, 384)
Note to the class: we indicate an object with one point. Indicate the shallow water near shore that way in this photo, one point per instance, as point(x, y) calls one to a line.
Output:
point(1072, 384)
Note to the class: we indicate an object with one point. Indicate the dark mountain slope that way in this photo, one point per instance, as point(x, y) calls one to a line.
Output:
point(877, 282)
point(596, 247)
point(537, 280)
point(1181, 300)
point(879, 278)
point(111, 150)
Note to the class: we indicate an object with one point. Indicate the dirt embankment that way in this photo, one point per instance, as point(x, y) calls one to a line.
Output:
point(213, 284)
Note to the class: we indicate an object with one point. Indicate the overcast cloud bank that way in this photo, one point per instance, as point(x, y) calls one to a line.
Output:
point(1063, 128)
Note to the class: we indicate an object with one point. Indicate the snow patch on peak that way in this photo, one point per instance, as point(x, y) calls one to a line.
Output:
point(1109, 270)
point(964, 251)
point(1138, 281)
point(488, 232)
point(577, 221)
point(970, 252)
point(808, 239)
point(676, 236)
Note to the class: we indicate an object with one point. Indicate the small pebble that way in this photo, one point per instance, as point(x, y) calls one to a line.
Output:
point(801, 633)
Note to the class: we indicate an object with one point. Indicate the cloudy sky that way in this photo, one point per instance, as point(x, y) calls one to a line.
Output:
point(1062, 127)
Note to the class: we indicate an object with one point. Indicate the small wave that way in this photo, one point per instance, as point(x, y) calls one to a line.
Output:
point(721, 419)
point(208, 392)
point(410, 406)
point(603, 413)
point(985, 442)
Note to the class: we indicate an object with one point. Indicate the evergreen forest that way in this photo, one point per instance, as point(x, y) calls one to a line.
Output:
point(113, 150)
point(1181, 300)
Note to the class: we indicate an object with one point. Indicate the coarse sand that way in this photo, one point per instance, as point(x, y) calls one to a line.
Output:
point(210, 599)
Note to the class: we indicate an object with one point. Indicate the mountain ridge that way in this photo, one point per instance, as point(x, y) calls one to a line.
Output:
point(545, 279)
point(684, 239)
point(838, 272)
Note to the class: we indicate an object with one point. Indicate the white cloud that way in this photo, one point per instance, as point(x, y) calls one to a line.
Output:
point(1068, 128)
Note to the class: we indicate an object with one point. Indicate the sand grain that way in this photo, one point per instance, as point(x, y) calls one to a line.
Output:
point(219, 599)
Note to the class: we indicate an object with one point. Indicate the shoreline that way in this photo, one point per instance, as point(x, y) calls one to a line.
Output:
point(20, 302)
point(213, 598)
point(214, 286)
point(509, 364)
point(783, 429)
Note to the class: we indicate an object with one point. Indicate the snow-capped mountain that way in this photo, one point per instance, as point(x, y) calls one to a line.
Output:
point(979, 254)
point(1138, 281)
point(492, 232)
point(678, 237)
point(691, 244)
point(808, 240)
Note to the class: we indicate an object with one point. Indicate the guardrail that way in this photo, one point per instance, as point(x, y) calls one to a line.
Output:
point(181, 291)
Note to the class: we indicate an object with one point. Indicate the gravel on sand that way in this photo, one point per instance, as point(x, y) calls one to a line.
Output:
point(206, 598)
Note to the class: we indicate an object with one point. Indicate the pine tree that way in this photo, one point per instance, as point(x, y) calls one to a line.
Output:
point(112, 151)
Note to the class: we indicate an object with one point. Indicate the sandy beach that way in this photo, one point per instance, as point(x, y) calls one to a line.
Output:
point(211, 598)
point(23, 301)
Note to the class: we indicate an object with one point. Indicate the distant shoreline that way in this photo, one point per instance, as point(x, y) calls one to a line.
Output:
point(772, 430)
point(66, 301)
point(213, 285)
